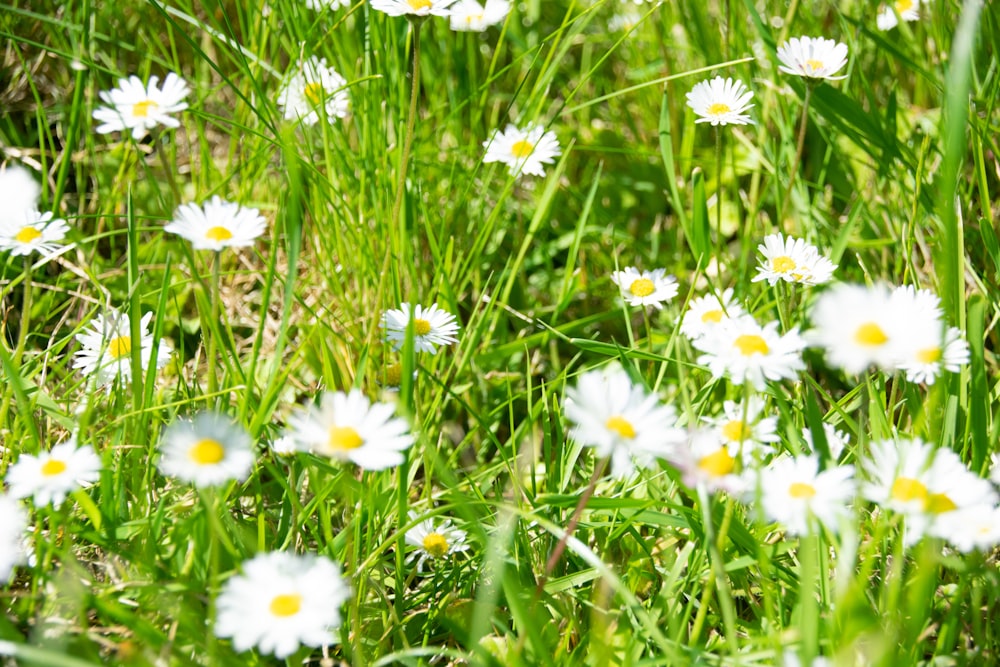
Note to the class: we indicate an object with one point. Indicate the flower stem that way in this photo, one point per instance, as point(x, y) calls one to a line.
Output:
point(799, 146)
point(718, 195)
point(212, 330)
point(22, 334)
point(411, 121)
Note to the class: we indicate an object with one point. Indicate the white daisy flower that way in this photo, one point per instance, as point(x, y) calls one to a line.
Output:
point(470, 16)
point(313, 89)
point(704, 461)
point(13, 530)
point(319, 5)
point(348, 427)
point(30, 232)
point(792, 260)
point(925, 364)
point(793, 490)
point(889, 15)
point(812, 57)
point(721, 102)
point(974, 527)
point(107, 347)
point(217, 224)
point(523, 151)
point(208, 450)
point(645, 288)
point(140, 108)
point(745, 351)
point(707, 312)
point(433, 541)
point(620, 420)
point(19, 192)
point(280, 602)
point(413, 7)
point(284, 446)
point(741, 429)
point(836, 440)
point(431, 327)
point(50, 476)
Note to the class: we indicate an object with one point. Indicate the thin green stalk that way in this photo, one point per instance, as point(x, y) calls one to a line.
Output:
point(214, 297)
point(799, 146)
point(411, 121)
point(22, 335)
point(718, 194)
point(714, 543)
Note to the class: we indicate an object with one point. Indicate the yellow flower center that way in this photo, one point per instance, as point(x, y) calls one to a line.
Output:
point(939, 503)
point(120, 347)
point(27, 235)
point(344, 438)
point(712, 316)
point(473, 17)
point(393, 375)
point(907, 489)
point(621, 426)
point(642, 287)
point(870, 334)
point(801, 490)
point(207, 452)
point(814, 64)
point(313, 92)
point(782, 264)
point(522, 148)
point(53, 467)
point(436, 544)
point(929, 355)
point(417, 5)
point(421, 327)
point(142, 109)
point(287, 604)
point(903, 5)
point(718, 463)
point(718, 109)
point(218, 234)
point(737, 431)
point(750, 344)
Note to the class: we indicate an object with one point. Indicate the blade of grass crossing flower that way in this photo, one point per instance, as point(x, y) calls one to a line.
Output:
point(134, 304)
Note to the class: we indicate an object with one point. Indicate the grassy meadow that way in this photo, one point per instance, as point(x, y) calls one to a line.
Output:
point(553, 557)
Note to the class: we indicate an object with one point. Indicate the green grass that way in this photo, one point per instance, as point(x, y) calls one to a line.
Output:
point(897, 183)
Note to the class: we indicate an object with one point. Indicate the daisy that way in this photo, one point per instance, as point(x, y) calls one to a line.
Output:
point(523, 151)
point(431, 327)
point(19, 192)
point(741, 429)
point(889, 15)
point(812, 57)
point(645, 288)
point(30, 232)
point(433, 541)
point(50, 476)
point(925, 364)
point(705, 462)
point(413, 7)
point(313, 92)
point(620, 420)
point(470, 16)
point(138, 107)
point(721, 102)
point(793, 490)
point(217, 224)
point(974, 527)
point(107, 347)
point(792, 260)
point(206, 451)
point(347, 427)
point(836, 440)
point(746, 351)
point(13, 527)
point(319, 5)
point(707, 312)
point(280, 602)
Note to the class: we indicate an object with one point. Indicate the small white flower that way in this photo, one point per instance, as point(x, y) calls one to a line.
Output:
point(470, 16)
point(745, 351)
point(812, 57)
point(741, 429)
point(925, 364)
point(348, 427)
point(974, 527)
point(433, 541)
point(313, 92)
point(792, 260)
point(284, 446)
point(13, 527)
point(413, 7)
point(645, 288)
point(523, 151)
point(206, 451)
point(793, 490)
point(707, 312)
point(431, 327)
point(107, 347)
point(50, 476)
point(282, 601)
point(836, 440)
point(620, 420)
point(704, 461)
point(907, 10)
point(217, 224)
point(32, 232)
point(319, 5)
point(721, 102)
point(19, 192)
point(140, 108)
